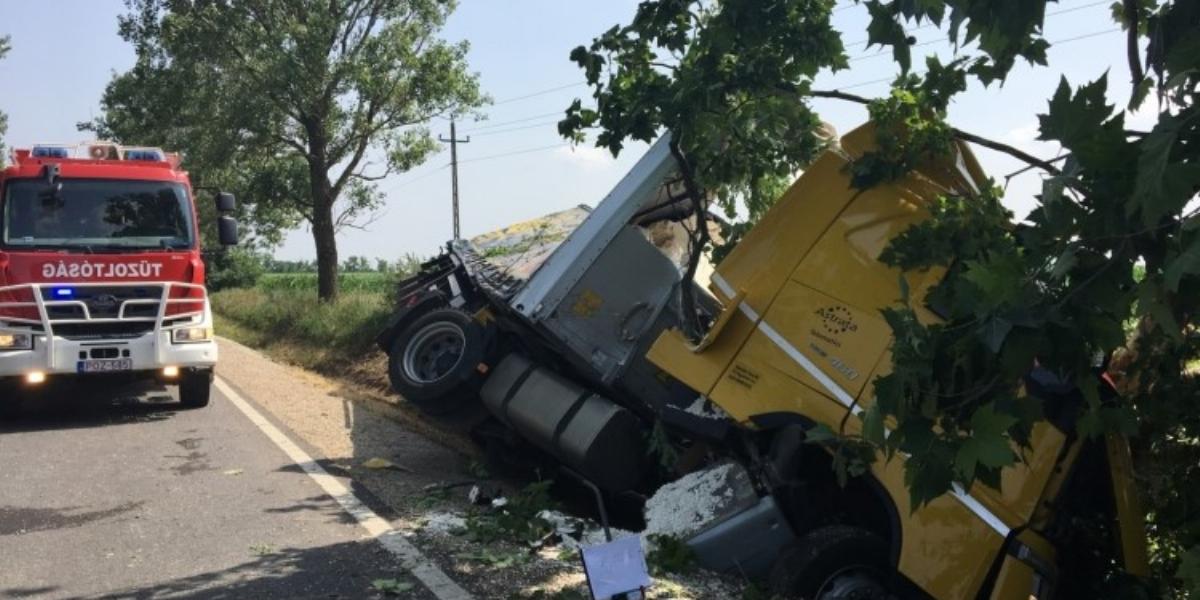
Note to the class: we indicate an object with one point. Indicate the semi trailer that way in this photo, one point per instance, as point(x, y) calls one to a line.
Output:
point(580, 356)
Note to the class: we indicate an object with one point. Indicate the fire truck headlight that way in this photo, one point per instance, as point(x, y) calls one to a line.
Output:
point(16, 341)
point(188, 335)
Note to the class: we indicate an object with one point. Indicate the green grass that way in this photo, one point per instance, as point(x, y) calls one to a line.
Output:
point(263, 316)
point(350, 282)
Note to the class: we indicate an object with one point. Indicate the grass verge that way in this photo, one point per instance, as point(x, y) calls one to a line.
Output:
point(335, 339)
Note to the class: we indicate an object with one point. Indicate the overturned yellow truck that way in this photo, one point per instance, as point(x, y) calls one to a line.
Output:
point(580, 358)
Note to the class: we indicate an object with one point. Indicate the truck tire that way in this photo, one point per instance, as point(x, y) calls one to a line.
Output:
point(195, 387)
point(434, 361)
point(835, 562)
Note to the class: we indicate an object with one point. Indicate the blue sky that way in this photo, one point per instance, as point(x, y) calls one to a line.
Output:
point(64, 53)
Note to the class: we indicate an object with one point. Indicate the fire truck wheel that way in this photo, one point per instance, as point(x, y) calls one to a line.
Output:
point(10, 400)
point(434, 362)
point(835, 562)
point(194, 388)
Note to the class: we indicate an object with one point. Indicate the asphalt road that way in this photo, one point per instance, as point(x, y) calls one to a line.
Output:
point(120, 494)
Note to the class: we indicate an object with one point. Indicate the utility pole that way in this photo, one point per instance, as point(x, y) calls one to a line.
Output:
point(454, 142)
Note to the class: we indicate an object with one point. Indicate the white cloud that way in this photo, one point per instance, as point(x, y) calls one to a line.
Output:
point(1025, 134)
point(586, 157)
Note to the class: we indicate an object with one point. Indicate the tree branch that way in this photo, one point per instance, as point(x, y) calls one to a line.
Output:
point(699, 239)
point(1009, 150)
point(1132, 19)
point(960, 134)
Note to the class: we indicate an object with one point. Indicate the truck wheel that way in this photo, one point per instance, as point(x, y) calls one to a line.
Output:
point(434, 361)
point(835, 562)
point(195, 388)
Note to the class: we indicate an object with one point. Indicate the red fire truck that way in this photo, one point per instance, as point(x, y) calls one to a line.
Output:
point(100, 269)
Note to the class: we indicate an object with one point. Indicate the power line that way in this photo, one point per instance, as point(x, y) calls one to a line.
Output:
point(539, 93)
point(404, 184)
point(512, 129)
point(918, 72)
point(513, 153)
point(510, 122)
point(1063, 11)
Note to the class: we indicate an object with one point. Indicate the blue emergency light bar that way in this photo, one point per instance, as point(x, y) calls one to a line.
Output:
point(50, 152)
point(144, 154)
point(64, 292)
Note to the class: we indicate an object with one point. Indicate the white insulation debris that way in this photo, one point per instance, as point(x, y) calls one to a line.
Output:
point(684, 506)
point(705, 409)
point(444, 523)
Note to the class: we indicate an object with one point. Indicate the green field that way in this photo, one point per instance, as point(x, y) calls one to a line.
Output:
point(350, 282)
point(282, 309)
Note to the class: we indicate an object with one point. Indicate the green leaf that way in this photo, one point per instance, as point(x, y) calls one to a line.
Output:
point(885, 30)
point(1162, 186)
point(1065, 262)
point(989, 435)
point(1089, 424)
point(1090, 388)
point(1189, 570)
point(994, 332)
point(392, 587)
point(873, 428)
point(1187, 263)
point(1140, 92)
point(1151, 303)
point(1073, 117)
point(818, 434)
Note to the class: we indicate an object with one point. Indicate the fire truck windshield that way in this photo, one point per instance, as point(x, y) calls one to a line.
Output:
point(88, 214)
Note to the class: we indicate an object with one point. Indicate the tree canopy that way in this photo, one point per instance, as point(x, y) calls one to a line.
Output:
point(4, 47)
point(298, 105)
point(1104, 273)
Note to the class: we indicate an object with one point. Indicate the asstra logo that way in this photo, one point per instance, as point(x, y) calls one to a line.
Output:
point(141, 269)
point(837, 320)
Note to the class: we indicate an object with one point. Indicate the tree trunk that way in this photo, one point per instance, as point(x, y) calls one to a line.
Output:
point(327, 254)
point(323, 229)
point(322, 197)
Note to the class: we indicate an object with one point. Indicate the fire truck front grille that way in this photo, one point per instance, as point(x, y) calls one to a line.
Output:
point(103, 330)
point(104, 302)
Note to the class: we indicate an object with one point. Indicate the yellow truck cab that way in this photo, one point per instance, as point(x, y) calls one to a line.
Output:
point(799, 341)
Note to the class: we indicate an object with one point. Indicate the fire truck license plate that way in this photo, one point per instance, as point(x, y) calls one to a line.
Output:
point(105, 366)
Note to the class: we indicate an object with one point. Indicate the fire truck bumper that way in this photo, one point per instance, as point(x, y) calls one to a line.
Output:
point(149, 354)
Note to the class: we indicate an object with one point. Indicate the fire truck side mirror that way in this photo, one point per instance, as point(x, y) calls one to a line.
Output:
point(225, 202)
point(227, 230)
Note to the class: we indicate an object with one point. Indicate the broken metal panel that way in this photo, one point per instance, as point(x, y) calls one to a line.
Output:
point(604, 317)
point(641, 187)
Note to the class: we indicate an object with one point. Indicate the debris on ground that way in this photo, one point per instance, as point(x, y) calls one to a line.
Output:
point(481, 497)
point(391, 587)
point(705, 409)
point(576, 533)
point(383, 463)
point(445, 523)
point(689, 504)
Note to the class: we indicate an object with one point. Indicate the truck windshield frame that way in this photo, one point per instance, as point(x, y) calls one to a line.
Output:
point(90, 215)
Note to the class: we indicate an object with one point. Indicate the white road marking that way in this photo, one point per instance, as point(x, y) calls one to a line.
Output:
point(393, 541)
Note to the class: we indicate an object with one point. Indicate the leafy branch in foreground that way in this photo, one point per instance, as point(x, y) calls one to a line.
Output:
point(1114, 239)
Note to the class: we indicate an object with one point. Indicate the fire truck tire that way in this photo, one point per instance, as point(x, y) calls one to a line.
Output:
point(434, 362)
point(835, 562)
point(10, 400)
point(195, 387)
